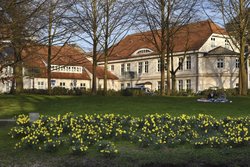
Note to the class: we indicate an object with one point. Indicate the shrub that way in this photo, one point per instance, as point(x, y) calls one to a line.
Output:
point(107, 148)
point(133, 92)
point(59, 91)
point(35, 91)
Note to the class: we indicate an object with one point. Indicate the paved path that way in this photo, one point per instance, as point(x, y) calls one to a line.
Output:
point(7, 120)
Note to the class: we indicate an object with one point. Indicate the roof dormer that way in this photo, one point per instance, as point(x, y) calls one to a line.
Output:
point(142, 51)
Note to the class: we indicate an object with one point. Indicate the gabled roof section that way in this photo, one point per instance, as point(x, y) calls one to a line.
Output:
point(100, 72)
point(188, 38)
point(221, 51)
point(59, 75)
point(68, 55)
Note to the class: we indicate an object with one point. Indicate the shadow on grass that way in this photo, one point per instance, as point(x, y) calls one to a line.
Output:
point(136, 106)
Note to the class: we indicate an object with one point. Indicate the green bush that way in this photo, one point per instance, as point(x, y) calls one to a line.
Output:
point(59, 91)
point(133, 92)
point(35, 91)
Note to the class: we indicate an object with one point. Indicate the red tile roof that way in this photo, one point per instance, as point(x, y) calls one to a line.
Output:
point(196, 33)
point(59, 75)
point(68, 55)
point(100, 72)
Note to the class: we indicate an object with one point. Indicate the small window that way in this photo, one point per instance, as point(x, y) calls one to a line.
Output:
point(128, 67)
point(227, 45)
point(53, 82)
point(237, 62)
point(122, 85)
point(128, 85)
point(140, 64)
point(188, 63)
point(213, 42)
point(146, 67)
point(159, 65)
point(112, 67)
point(180, 85)
point(188, 84)
point(144, 51)
point(220, 63)
point(62, 84)
point(159, 85)
point(122, 68)
point(181, 63)
point(83, 86)
point(40, 85)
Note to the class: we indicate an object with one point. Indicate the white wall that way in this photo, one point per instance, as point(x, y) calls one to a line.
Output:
point(28, 83)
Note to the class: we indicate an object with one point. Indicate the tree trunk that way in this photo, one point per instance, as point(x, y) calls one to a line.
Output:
point(49, 69)
point(243, 72)
point(168, 76)
point(94, 69)
point(18, 72)
point(173, 83)
point(162, 74)
point(106, 49)
point(106, 75)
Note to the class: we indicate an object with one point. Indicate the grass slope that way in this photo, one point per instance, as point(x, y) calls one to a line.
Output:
point(136, 106)
point(130, 154)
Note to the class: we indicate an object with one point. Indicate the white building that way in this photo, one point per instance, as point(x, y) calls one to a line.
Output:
point(210, 59)
point(70, 69)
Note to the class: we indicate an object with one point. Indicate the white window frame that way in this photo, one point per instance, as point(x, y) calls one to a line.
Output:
point(227, 44)
point(122, 69)
point(159, 65)
point(146, 65)
point(237, 63)
point(188, 63)
point(128, 67)
point(220, 63)
point(140, 67)
point(188, 84)
point(62, 84)
point(181, 85)
point(213, 44)
point(112, 67)
point(180, 63)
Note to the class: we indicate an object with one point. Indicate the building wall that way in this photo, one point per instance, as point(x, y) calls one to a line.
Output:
point(41, 83)
point(5, 85)
point(219, 41)
point(111, 84)
point(203, 73)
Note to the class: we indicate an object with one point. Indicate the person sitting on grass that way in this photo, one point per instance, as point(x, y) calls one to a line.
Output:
point(211, 95)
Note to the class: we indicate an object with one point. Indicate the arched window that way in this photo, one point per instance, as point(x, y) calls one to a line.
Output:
point(142, 51)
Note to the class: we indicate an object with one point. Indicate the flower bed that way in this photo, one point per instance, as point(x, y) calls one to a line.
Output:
point(79, 132)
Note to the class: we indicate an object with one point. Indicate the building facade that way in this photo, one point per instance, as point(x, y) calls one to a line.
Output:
point(70, 69)
point(203, 51)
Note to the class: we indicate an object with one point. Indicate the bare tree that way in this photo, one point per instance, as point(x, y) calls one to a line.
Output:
point(183, 32)
point(161, 17)
point(235, 13)
point(20, 20)
point(116, 23)
point(55, 29)
point(87, 17)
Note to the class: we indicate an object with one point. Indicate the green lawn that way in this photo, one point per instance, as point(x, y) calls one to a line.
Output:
point(130, 154)
point(136, 106)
